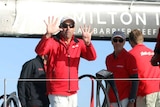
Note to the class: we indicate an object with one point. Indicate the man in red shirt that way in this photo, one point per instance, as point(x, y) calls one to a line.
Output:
point(64, 51)
point(149, 84)
point(123, 66)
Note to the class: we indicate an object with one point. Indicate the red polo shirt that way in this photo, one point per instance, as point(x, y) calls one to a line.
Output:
point(123, 66)
point(149, 75)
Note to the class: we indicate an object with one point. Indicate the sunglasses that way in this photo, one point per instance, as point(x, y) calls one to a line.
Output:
point(118, 40)
point(64, 25)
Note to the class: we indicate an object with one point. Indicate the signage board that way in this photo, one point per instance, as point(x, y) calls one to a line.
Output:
point(25, 18)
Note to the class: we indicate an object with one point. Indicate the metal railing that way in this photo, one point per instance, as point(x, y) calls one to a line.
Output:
point(9, 100)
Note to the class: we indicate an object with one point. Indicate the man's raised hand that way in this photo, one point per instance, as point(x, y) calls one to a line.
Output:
point(86, 34)
point(51, 26)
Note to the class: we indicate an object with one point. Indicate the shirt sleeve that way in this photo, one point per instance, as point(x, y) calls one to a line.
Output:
point(132, 65)
point(43, 46)
point(88, 52)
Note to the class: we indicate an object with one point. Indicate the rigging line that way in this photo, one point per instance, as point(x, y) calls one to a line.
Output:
point(15, 11)
point(131, 4)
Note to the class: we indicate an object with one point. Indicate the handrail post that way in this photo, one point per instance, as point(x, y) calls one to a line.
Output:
point(5, 97)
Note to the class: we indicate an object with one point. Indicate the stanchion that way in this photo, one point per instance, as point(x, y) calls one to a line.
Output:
point(5, 96)
point(106, 76)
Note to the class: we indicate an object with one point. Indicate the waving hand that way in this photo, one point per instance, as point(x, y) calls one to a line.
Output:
point(51, 26)
point(86, 34)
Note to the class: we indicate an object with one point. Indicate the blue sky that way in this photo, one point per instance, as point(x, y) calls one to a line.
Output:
point(16, 51)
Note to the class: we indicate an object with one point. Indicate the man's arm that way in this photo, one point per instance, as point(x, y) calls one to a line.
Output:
point(51, 28)
point(157, 46)
point(134, 87)
point(88, 52)
point(156, 57)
